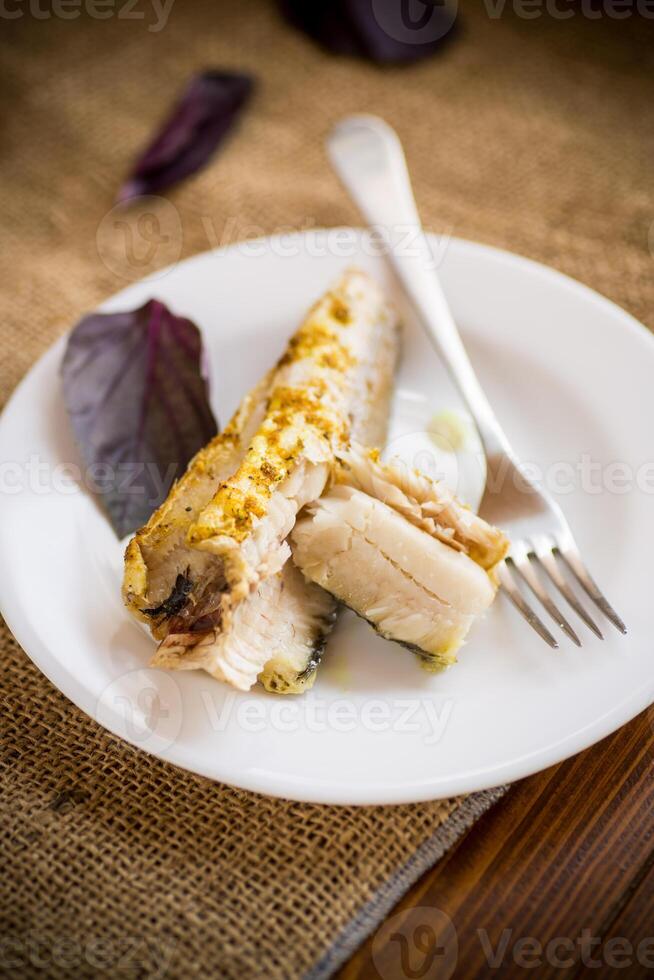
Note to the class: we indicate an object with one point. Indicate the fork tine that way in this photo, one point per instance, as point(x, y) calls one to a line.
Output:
point(525, 568)
point(548, 561)
point(507, 582)
point(572, 558)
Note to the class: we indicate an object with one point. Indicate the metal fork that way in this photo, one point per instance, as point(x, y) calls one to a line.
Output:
point(367, 155)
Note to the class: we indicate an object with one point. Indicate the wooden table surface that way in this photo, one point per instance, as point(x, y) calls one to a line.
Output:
point(556, 880)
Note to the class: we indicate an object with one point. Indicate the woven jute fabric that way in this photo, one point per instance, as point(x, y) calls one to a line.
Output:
point(530, 134)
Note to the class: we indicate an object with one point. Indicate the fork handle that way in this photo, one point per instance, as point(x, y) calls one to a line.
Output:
point(367, 155)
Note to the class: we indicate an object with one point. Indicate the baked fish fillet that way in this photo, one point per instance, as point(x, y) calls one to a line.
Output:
point(424, 502)
point(283, 627)
point(403, 553)
point(162, 572)
point(292, 668)
point(212, 582)
point(286, 621)
point(323, 385)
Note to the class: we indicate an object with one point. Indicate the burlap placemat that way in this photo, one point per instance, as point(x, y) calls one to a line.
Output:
point(527, 134)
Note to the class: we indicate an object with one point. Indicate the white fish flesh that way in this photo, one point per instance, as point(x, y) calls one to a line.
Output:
point(401, 552)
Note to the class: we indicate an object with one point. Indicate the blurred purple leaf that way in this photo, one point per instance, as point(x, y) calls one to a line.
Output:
point(138, 402)
point(384, 31)
point(205, 113)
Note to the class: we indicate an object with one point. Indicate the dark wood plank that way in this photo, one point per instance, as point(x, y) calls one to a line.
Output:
point(631, 931)
point(567, 854)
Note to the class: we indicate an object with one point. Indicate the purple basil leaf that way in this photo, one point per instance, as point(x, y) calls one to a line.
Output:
point(138, 402)
point(207, 110)
point(384, 31)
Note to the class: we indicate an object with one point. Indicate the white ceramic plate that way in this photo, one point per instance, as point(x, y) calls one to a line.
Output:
point(570, 376)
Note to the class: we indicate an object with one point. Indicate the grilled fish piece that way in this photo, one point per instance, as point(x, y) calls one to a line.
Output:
point(319, 391)
point(172, 587)
point(283, 625)
point(162, 573)
point(286, 620)
point(221, 569)
point(300, 623)
point(402, 553)
point(428, 504)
